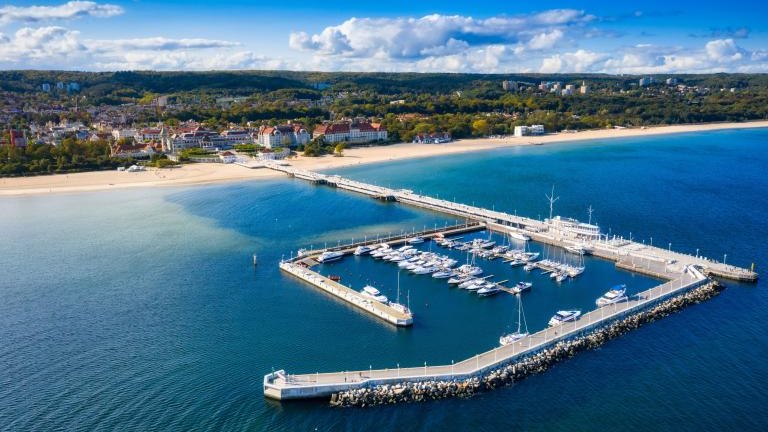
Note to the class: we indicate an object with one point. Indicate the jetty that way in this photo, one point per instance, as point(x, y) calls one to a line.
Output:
point(301, 267)
point(681, 272)
point(282, 385)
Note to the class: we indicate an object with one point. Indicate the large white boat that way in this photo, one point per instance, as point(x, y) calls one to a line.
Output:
point(617, 294)
point(489, 289)
point(329, 256)
point(374, 294)
point(522, 286)
point(511, 338)
point(519, 236)
point(415, 240)
point(362, 250)
point(564, 316)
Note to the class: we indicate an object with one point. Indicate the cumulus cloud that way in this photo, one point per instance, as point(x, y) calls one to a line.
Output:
point(55, 46)
point(45, 44)
point(419, 38)
point(69, 10)
point(578, 61)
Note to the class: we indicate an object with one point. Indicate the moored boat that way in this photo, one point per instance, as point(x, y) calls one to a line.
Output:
point(564, 316)
point(616, 294)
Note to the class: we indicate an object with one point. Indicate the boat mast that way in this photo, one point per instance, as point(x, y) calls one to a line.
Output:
point(552, 198)
point(590, 210)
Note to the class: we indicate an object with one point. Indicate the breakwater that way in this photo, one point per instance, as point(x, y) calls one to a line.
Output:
point(538, 362)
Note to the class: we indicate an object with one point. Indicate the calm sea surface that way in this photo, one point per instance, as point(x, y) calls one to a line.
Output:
point(140, 309)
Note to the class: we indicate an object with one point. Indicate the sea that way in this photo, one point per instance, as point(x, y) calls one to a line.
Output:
point(141, 309)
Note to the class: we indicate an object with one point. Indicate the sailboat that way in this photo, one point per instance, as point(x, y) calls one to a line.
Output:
point(519, 334)
point(397, 305)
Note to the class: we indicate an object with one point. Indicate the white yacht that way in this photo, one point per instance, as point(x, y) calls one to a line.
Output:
point(562, 276)
point(415, 240)
point(442, 274)
point(489, 289)
point(522, 286)
point(459, 279)
point(617, 294)
point(519, 236)
point(530, 266)
point(519, 334)
point(362, 250)
point(329, 256)
point(564, 316)
point(374, 294)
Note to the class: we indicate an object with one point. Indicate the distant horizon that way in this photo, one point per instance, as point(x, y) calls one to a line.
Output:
point(278, 71)
point(486, 37)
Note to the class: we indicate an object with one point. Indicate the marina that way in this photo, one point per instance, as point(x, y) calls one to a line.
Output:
point(681, 272)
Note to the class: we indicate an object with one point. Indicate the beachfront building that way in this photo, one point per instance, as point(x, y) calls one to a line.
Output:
point(287, 135)
point(227, 157)
point(356, 131)
point(234, 137)
point(529, 130)
point(135, 151)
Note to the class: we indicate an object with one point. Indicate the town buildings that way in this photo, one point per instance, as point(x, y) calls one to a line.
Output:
point(354, 131)
point(287, 135)
point(529, 130)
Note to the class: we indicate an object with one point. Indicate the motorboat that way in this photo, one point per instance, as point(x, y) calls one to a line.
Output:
point(522, 286)
point(443, 274)
point(329, 256)
point(362, 250)
point(516, 263)
point(616, 294)
point(564, 316)
point(561, 277)
point(414, 240)
point(529, 267)
point(489, 289)
point(519, 236)
point(374, 294)
point(511, 338)
point(459, 279)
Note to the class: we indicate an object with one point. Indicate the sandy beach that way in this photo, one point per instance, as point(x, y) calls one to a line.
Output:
point(194, 174)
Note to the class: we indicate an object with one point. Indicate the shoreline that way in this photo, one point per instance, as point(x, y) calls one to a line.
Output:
point(202, 174)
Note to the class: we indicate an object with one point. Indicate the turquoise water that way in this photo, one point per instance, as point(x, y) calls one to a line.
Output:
point(140, 310)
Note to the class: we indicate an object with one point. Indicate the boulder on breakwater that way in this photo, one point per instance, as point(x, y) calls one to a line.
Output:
point(538, 362)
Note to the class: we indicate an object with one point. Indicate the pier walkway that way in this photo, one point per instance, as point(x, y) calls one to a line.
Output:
point(616, 249)
point(281, 385)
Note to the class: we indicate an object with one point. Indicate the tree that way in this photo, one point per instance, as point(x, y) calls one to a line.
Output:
point(480, 127)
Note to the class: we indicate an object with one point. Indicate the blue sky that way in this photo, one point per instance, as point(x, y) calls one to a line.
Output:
point(650, 37)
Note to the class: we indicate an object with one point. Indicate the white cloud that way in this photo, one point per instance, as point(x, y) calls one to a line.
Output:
point(69, 10)
point(414, 38)
point(545, 40)
point(578, 61)
point(44, 44)
point(157, 44)
point(60, 47)
point(723, 50)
